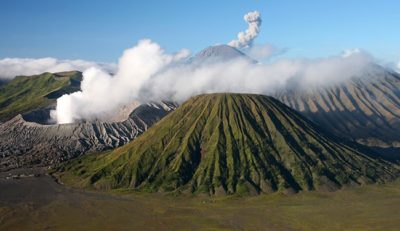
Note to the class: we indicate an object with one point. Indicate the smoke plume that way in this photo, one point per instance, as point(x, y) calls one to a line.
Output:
point(245, 38)
point(11, 67)
point(102, 94)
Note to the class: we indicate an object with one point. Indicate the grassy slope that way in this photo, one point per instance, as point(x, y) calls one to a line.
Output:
point(229, 143)
point(373, 207)
point(25, 93)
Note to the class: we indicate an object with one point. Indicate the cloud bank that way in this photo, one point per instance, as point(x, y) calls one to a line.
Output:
point(242, 76)
point(102, 94)
point(245, 38)
point(145, 72)
point(11, 67)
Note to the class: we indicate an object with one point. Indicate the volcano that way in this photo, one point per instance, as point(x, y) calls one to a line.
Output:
point(230, 144)
point(219, 53)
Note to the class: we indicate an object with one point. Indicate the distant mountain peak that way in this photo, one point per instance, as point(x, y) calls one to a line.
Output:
point(224, 51)
point(220, 53)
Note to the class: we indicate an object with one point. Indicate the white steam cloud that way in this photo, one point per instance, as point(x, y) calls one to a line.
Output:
point(102, 94)
point(11, 67)
point(398, 67)
point(245, 38)
point(145, 72)
point(243, 76)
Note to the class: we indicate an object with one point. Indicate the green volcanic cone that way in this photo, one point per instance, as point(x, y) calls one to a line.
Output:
point(230, 144)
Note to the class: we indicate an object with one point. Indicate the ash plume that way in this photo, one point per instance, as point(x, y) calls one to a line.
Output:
point(245, 38)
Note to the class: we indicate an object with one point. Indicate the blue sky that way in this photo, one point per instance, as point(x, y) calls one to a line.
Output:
point(101, 30)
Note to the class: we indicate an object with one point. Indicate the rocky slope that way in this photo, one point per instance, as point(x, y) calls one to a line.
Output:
point(365, 109)
point(24, 143)
point(229, 144)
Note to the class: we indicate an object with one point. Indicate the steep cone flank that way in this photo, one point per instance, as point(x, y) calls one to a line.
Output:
point(226, 144)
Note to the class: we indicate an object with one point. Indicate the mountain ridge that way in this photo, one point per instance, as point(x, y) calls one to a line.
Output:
point(24, 94)
point(365, 109)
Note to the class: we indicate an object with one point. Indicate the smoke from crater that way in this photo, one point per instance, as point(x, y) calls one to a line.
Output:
point(245, 38)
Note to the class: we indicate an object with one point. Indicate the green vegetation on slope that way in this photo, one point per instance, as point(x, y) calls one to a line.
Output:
point(229, 144)
point(26, 93)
